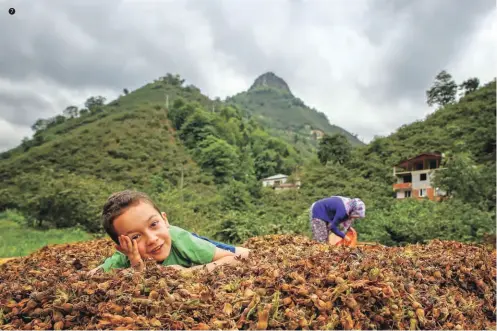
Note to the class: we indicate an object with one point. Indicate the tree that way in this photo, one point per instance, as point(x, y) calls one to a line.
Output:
point(228, 112)
point(40, 124)
point(95, 104)
point(174, 80)
point(245, 169)
point(334, 148)
point(52, 121)
point(236, 196)
point(196, 128)
point(58, 119)
point(71, 111)
point(443, 90)
point(180, 112)
point(266, 163)
point(25, 143)
point(63, 199)
point(411, 221)
point(462, 179)
point(125, 91)
point(192, 88)
point(469, 85)
point(218, 157)
point(229, 130)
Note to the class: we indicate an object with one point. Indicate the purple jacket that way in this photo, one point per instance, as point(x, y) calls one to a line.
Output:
point(331, 210)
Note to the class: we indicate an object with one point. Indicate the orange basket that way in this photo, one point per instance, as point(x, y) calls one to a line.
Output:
point(352, 235)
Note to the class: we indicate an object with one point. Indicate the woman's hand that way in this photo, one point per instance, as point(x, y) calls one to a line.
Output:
point(346, 241)
point(130, 249)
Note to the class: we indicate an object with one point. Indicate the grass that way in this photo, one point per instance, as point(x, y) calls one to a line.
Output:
point(18, 240)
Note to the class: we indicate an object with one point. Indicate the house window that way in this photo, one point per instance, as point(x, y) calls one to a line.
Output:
point(422, 192)
point(419, 166)
point(433, 164)
point(422, 177)
point(407, 194)
point(277, 182)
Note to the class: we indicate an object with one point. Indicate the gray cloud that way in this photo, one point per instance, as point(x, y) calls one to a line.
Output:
point(22, 108)
point(419, 39)
point(364, 64)
point(87, 44)
point(11, 135)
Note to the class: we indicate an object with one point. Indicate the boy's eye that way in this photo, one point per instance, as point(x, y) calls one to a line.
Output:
point(154, 223)
point(135, 236)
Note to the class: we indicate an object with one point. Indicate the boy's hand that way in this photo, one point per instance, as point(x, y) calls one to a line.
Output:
point(130, 249)
point(94, 271)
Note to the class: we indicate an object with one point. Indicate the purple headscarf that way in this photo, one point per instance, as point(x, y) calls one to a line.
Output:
point(354, 207)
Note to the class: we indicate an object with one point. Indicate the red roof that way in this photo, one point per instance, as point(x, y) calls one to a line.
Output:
point(405, 162)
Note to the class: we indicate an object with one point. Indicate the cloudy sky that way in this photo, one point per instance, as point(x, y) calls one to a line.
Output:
point(365, 63)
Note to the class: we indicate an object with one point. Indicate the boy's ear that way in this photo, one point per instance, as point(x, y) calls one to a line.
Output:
point(164, 216)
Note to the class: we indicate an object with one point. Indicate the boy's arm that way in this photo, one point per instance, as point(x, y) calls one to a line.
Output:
point(116, 261)
point(242, 251)
point(95, 270)
point(222, 257)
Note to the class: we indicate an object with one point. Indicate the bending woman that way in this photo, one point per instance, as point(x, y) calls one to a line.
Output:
point(328, 213)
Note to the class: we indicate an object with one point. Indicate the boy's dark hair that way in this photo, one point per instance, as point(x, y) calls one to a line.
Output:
point(117, 204)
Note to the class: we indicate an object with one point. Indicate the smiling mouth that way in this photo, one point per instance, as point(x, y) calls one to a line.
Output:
point(157, 249)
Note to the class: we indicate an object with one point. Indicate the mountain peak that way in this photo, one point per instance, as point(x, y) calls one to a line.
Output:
point(269, 79)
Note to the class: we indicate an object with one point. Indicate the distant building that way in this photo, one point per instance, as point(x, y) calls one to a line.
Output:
point(279, 182)
point(275, 180)
point(317, 134)
point(287, 186)
point(414, 177)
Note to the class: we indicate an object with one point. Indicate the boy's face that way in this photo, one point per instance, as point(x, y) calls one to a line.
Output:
point(151, 232)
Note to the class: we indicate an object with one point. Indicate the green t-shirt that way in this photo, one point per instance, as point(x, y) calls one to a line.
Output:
point(186, 250)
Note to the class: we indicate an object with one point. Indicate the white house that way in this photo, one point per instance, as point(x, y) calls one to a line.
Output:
point(279, 182)
point(415, 176)
point(275, 180)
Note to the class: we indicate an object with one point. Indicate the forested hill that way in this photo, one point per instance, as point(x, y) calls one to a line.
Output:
point(270, 101)
point(464, 130)
point(162, 137)
point(464, 126)
point(202, 161)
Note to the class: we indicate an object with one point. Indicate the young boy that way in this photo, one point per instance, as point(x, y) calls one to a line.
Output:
point(141, 232)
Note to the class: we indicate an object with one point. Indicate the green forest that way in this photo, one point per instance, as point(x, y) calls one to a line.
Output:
point(202, 161)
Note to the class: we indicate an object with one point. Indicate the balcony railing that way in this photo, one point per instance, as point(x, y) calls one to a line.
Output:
point(402, 186)
point(399, 171)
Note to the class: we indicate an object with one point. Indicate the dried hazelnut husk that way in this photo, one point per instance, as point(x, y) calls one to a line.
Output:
point(67, 307)
point(351, 302)
point(58, 325)
point(153, 295)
